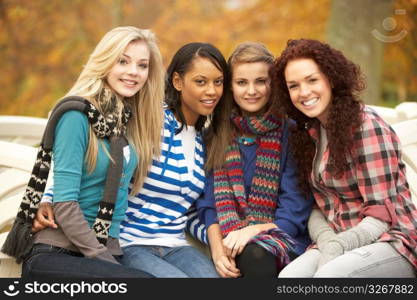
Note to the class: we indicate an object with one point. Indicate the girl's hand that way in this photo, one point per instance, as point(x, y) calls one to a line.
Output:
point(44, 218)
point(236, 241)
point(226, 267)
point(331, 251)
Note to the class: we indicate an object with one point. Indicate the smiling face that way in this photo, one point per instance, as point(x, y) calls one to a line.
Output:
point(309, 88)
point(201, 88)
point(250, 86)
point(130, 72)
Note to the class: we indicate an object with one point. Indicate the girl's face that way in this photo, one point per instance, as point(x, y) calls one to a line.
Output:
point(130, 72)
point(309, 88)
point(201, 88)
point(250, 86)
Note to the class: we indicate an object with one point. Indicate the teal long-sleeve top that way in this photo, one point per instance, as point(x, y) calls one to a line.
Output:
point(73, 182)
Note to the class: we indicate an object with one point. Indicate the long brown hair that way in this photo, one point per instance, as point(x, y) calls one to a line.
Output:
point(345, 114)
point(217, 142)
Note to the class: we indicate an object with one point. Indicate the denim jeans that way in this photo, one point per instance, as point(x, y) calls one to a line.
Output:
point(375, 260)
point(169, 262)
point(54, 262)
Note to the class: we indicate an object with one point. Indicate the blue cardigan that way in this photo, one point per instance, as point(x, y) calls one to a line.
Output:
point(293, 207)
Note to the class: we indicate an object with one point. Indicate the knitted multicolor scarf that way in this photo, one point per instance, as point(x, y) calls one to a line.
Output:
point(234, 209)
point(20, 240)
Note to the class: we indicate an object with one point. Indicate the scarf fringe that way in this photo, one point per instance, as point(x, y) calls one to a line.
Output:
point(19, 241)
point(277, 242)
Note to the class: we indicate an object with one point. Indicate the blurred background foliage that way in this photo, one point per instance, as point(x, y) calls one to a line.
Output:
point(44, 43)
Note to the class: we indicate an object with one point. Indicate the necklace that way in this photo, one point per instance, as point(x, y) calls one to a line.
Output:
point(246, 140)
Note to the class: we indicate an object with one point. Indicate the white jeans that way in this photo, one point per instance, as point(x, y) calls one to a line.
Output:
point(374, 260)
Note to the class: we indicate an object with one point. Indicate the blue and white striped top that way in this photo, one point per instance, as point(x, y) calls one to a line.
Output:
point(158, 214)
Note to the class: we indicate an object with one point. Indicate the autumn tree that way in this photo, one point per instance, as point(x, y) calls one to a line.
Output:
point(351, 29)
point(399, 82)
point(44, 43)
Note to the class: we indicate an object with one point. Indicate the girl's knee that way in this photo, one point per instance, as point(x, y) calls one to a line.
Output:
point(327, 271)
point(255, 252)
point(255, 261)
point(289, 272)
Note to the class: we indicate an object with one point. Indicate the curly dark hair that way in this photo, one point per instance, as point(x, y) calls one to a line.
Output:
point(345, 113)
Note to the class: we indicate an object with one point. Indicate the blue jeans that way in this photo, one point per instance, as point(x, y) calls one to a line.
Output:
point(54, 262)
point(169, 262)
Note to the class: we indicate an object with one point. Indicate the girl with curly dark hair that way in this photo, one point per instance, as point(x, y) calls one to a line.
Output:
point(364, 222)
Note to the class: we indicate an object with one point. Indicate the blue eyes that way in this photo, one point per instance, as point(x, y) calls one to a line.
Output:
point(124, 62)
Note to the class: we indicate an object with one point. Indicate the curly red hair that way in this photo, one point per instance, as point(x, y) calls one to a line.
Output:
point(345, 114)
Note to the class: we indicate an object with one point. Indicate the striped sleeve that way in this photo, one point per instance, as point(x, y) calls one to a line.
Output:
point(195, 227)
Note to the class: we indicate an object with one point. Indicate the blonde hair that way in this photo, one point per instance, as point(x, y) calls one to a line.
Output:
point(247, 52)
point(144, 129)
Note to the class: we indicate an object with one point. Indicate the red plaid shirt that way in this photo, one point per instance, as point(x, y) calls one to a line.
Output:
point(375, 185)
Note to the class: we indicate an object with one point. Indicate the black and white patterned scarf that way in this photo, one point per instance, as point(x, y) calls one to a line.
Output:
point(20, 240)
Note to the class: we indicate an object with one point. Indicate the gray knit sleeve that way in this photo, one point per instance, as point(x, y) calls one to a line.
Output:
point(69, 217)
point(318, 228)
point(365, 233)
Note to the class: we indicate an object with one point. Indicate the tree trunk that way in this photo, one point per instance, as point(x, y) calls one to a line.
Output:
point(351, 29)
point(402, 91)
